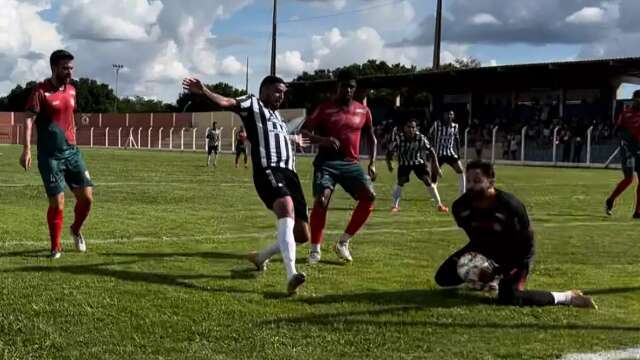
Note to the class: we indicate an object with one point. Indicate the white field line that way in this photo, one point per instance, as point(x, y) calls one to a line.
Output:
point(627, 354)
point(136, 239)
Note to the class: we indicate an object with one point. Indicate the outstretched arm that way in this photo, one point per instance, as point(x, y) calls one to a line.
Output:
point(195, 86)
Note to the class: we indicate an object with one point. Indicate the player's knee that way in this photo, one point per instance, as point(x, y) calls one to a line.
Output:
point(301, 232)
point(57, 201)
point(283, 207)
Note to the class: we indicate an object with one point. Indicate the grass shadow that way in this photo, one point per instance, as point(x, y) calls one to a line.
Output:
point(441, 298)
point(27, 253)
point(153, 278)
point(161, 255)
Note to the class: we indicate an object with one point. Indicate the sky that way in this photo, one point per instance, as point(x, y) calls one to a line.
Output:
point(159, 42)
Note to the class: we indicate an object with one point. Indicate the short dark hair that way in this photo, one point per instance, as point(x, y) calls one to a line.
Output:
point(409, 120)
point(59, 55)
point(271, 80)
point(485, 167)
point(636, 94)
point(346, 75)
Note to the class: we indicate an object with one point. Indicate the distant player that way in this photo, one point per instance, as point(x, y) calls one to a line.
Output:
point(51, 106)
point(241, 146)
point(274, 173)
point(628, 126)
point(445, 137)
point(414, 152)
point(338, 125)
point(214, 136)
point(498, 227)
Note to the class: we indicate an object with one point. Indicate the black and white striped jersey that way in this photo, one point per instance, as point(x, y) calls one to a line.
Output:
point(410, 151)
point(445, 138)
point(267, 133)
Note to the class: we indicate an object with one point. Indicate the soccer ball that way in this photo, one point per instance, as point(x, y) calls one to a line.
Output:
point(470, 265)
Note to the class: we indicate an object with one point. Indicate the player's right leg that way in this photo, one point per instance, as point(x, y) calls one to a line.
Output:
point(403, 179)
point(323, 185)
point(51, 171)
point(628, 164)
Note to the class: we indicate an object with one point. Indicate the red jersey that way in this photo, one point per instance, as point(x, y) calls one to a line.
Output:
point(630, 121)
point(344, 123)
point(242, 137)
point(54, 109)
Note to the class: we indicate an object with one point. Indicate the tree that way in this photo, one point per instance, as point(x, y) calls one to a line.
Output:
point(17, 98)
point(93, 97)
point(189, 102)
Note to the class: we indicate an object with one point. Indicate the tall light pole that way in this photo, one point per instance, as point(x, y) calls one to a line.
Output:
point(246, 84)
point(117, 68)
point(438, 36)
point(273, 37)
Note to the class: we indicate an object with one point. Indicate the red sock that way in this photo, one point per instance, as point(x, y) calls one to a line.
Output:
point(54, 219)
point(360, 216)
point(318, 220)
point(622, 186)
point(81, 211)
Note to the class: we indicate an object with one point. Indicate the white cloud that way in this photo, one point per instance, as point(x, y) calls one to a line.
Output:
point(484, 19)
point(290, 64)
point(166, 66)
point(587, 15)
point(111, 20)
point(25, 43)
point(231, 66)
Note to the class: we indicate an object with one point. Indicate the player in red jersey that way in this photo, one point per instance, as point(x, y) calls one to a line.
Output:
point(338, 125)
point(241, 147)
point(628, 126)
point(51, 107)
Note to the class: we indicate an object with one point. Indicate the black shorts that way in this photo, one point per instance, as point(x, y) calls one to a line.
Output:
point(213, 149)
point(630, 160)
point(241, 149)
point(449, 160)
point(404, 172)
point(275, 183)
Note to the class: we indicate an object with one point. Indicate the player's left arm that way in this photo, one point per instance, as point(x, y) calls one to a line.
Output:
point(372, 144)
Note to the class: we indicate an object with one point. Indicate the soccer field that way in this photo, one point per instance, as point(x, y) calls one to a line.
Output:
point(165, 275)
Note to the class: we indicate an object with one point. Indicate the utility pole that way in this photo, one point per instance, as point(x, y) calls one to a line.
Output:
point(438, 37)
point(117, 68)
point(273, 37)
point(246, 84)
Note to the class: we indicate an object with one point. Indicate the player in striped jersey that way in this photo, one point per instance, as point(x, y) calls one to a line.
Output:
point(413, 151)
point(274, 175)
point(445, 137)
point(214, 136)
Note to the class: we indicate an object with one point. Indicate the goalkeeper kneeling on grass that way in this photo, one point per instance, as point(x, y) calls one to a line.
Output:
point(501, 245)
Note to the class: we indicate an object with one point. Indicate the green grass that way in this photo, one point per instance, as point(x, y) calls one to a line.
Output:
point(165, 277)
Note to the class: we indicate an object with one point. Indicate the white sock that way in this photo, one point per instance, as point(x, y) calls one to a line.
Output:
point(434, 193)
point(287, 245)
point(269, 252)
point(208, 159)
point(344, 240)
point(315, 248)
point(397, 192)
point(463, 183)
point(562, 298)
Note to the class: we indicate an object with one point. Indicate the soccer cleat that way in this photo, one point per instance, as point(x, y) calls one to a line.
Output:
point(78, 240)
point(342, 250)
point(443, 209)
point(314, 257)
point(253, 258)
point(295, 282)
point(395, 209)
point(578, 299)
point(55, 255)
point(609, 206)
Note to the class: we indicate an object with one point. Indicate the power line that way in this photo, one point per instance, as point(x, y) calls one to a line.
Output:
point(344, 12)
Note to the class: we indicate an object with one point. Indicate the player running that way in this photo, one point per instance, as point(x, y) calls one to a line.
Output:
point(241, 149)
point(338, 125)
point(446, 139)
point(628, 125)
point(414, 151)
point(214, 136)
point(498, 227)
point(51, 106)
point(274, 173)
